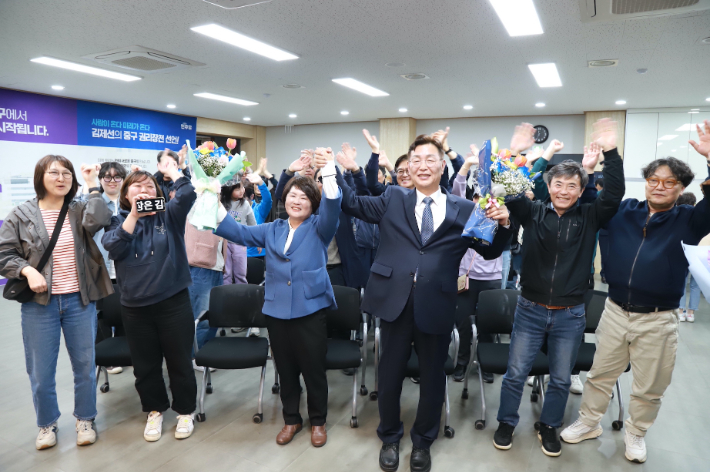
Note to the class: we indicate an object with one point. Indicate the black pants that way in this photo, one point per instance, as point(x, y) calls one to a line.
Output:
point(335, 273)
point(300, 346)
point(164, 329)
point(466, 308)
point(432, 350)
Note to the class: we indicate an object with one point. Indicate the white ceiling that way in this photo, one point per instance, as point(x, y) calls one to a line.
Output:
point(460, 44)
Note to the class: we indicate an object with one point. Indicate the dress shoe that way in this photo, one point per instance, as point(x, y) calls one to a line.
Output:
point(487, 377)
point(318, 436)
point(420, 460)
point(389, 457)
point(287, 433)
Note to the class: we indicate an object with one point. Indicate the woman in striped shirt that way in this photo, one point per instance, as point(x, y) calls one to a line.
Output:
point(65, 290)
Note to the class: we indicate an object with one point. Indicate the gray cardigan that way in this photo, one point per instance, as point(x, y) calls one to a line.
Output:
point(23, 237)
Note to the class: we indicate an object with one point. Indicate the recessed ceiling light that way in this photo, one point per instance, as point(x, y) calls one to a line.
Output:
point(361, 87)
point(686, 127)
point(620, 102)
point(246, 118)
point(414, 76)
point(668, 137)
point(603, 63)
point(171, 106)
point(518, 16)
point(236, 101)
point(707, 99)
point(403, 110)
point(245, 42)
point(642, 71)
point(292, 86)
point(540, 105)
point(57, 87)
point(546, 74)
point(683, 147)
point(344, 112)
point(49, 61)
point(293, 115)
point(468, 107)
point(693, 112)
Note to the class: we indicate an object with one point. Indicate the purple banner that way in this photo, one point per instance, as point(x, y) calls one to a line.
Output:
point(32, 118)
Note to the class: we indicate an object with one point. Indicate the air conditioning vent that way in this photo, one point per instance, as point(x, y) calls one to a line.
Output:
point(603, 63)
point(138, 58)
point(610, 10)
point(626, 7)
point(416, 76)
point(235, 4)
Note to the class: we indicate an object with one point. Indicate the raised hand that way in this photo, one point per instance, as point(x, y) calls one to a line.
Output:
point(171, 170)
point(385, 162)
point(322, 156)
point(349, 151)
point(556, 146)
point(523, 138)
point(135, 168)
point(90, 174)
point(442, 136)
point(346, 161)
point(372, 141)
point(703, 147)
point(255, 178)
point(534, 154)
point(591, 157)
point(182, 155)
point(302, 162)
point(604, 134)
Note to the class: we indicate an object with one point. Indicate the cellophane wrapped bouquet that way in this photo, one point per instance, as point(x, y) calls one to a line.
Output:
point(211, 166)
point(500, 179)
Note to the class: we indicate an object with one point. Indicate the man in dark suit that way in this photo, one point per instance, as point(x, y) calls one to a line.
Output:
point(412, 289)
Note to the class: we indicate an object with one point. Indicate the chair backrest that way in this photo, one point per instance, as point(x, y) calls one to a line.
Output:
point(109, 308)
point(495, 311)
point(255, 270)
point(347, 316)
point(594, 301)
point(237, 306)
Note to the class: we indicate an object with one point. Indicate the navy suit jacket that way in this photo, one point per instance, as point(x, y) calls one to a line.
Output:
point(401, 254)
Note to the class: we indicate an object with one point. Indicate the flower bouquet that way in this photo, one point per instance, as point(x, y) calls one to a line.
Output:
point(505, 179)
point(211, 166)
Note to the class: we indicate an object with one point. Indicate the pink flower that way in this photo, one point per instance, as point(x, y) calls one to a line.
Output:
point(231, 143)
point(209, 145)
point(520, 161)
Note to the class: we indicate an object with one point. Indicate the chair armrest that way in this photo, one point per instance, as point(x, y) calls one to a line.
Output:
point(457, 341)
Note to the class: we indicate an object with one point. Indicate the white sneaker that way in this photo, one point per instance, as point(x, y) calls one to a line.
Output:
point(576, 387)
point(85, 432)
point(114, 370)
point(254, 332)
point(199, 368)
point(690, 317)
point(635, 447)
point(185, 426)
point(154, 427)
point(578, 432)
point(681, 315)
point(47, 437)
point(531, 380)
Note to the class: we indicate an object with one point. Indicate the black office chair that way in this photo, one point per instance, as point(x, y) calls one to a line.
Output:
point(494, 315)
point(594, 307)
point(239, 306)
point(256, 269)
point(113, 351)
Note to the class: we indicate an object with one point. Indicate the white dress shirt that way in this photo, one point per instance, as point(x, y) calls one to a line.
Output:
point(438, 208)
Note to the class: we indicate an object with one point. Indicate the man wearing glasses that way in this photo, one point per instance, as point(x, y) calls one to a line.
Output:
point(646, 270)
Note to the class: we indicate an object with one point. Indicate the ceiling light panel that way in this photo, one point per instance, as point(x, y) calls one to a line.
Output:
point(519, 17)
point(50, 61)
point(244, 42)
point(546, 74)
point(223, 98)
point(668, 137)
point(361, 87)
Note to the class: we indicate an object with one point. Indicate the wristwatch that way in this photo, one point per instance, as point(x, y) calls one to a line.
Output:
point(94, 189)
point(446, 152)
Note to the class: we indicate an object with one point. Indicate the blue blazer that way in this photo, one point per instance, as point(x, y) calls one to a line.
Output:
point(297, 282)
point(401, 254)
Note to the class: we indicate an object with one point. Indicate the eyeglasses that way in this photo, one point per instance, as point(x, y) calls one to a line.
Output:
point(667, 183)
point(320, 179)
point(116, 178)
point(55, 174)
point(401, 172)
point(431, 162)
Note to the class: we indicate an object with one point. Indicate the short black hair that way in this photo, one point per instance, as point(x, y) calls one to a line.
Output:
point(680, 170)
point(688, 198)
point(423, 139)
point(383, 170)
point(568, 168)
point(106, 167)
point(172, 154)
point(400, 159)
point(307, 186)
point(599, 182)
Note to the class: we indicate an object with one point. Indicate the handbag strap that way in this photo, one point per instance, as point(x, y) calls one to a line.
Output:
point(55, 236)
point(471, 264)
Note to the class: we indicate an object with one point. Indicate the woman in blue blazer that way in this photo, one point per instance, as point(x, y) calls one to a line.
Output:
point(296, 258)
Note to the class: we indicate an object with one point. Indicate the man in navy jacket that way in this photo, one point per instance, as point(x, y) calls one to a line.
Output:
point(412, 289)
point(646, 270)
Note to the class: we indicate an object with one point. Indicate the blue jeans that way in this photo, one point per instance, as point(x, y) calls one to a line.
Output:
point(41, 331)
point(203, 280)
point(533, 324)
point(506, 269)
point(694, 296)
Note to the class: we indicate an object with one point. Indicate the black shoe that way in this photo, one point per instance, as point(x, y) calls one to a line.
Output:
point(487, 377)
point(459, 373)
point(503, 439)
point(414, 379)
point(350, 371)
point(389, 457)
point(420, 460)
point(603, 280)
point(550, 440)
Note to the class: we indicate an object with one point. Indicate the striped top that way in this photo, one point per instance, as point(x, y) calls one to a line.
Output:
point(64, 274)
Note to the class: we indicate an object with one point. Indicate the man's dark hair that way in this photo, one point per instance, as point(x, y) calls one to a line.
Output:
point(43, 165)
point(599, 182)
point(307, 186)
point(172, 154)
point(423, 139)
point(383, 170)
point(680, 170)
point(688, 198)
point(400, 159)
point(568, 168)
